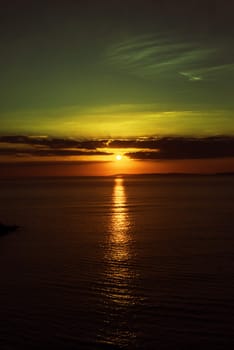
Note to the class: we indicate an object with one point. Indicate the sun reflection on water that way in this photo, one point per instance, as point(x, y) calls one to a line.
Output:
point(120, 273)
point(119, 238)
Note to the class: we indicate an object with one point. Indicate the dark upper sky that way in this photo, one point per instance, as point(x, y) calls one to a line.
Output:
point(117, 68)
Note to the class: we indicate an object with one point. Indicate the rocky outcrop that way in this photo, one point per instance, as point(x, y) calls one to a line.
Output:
point(4, 229)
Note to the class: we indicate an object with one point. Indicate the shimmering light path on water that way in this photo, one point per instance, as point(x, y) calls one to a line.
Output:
point(120, 275)
point(118, 263)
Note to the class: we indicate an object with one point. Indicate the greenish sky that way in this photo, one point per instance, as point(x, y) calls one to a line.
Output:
point(112, 68)
point(117, 69)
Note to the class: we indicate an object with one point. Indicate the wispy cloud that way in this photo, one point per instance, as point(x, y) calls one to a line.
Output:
point(151, 56)
point(191, 76)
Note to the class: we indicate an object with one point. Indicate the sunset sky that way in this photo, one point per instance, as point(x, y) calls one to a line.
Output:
point(84, 81)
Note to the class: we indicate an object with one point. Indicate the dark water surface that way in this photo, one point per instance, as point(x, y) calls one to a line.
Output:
point(133, 263)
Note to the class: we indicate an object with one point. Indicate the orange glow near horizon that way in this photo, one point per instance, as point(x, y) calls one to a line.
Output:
point(114, 167)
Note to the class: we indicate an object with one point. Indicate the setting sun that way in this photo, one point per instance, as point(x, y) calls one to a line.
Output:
point(118, 157)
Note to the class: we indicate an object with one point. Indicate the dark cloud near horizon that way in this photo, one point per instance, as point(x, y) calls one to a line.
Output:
point(49, 152)
point(148, 148)
point(46, 147)
point(48, 163)
point(54, 143)
point(186, 148)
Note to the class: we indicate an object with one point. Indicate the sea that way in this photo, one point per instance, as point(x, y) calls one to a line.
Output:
point(125, 262)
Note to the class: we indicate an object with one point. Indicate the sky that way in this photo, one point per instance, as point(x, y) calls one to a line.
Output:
point(84, 81)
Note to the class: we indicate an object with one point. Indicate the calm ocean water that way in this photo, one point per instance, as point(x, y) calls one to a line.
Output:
point(112, 263)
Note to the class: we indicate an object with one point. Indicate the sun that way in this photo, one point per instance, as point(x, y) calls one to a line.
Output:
point(118, 157)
